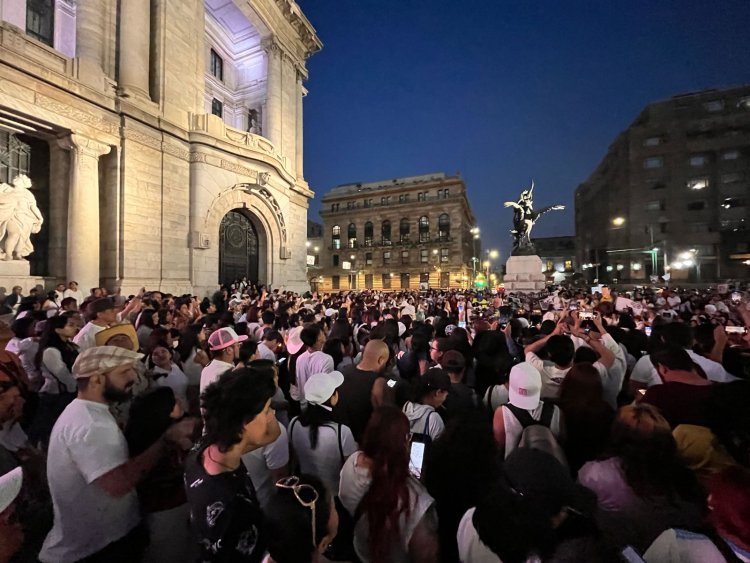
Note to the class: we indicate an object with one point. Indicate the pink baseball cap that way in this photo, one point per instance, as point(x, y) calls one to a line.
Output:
point(223, 338)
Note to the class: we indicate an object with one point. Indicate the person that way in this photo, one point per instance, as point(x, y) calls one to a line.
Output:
point(168, 374)
point(147, 321)
point(642, 486)
point(460, 397)
point(270, 345)
point(395, 515)
point(430, 392)
point(524, 407)
point(74, 293)
point(301, 521)
point(225, 514)
point(11, 530)
point(22, 328)
point(364, 388)
point(102, 314)
point(224, 347)
point(684, 396)
point(91, 478)
point(313, 338)
point(11, 408)
point(320, 444)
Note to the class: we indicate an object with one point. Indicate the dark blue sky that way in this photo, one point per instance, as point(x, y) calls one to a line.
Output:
point(502, 92)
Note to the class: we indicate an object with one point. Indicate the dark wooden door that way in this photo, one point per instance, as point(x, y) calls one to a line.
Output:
point(238, 248)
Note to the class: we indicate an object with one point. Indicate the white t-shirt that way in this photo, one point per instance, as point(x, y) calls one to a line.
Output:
point(85, 444)
point(325, 460)
point(262, 461)
point(55, 372)
point(681, 546)
point(471, 549)
point(496, 396)
point(175, 380)
point(192, 369)
point(514, 429)
point(77, 295)
point(645, 372)
point(212, 371)
point(86, 337)
point(266, 353)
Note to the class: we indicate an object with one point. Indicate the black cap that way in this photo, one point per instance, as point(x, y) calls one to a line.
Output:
point(100, 305)
point(437, 379)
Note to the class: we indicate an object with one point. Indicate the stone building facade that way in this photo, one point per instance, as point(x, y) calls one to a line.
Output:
point(404, 233)
point(558, 256)
point(674, 185)
point(164, 141)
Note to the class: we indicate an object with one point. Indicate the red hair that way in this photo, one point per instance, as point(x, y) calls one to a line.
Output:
point(385, 443)
point(730, 503)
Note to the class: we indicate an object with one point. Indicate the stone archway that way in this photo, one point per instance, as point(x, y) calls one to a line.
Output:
point(239, 248)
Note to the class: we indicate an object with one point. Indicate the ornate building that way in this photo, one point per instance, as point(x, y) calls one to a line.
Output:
point(163, 139)
point(405, 233)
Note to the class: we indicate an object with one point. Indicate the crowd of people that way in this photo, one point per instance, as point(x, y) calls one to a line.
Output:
point(260, 425)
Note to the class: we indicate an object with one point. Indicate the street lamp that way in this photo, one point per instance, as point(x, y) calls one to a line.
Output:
point(618, 221)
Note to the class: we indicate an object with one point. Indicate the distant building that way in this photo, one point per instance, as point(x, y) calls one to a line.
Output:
point(404, 233)
point(674, 185)
point(558, 256)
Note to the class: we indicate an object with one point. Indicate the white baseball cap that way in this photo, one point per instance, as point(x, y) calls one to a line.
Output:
point(321, 386)
point(525, 386)
point(10, 486)
point(294, 340)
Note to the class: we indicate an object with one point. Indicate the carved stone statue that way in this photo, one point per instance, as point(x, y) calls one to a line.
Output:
point(524, 218)
point(19, 219)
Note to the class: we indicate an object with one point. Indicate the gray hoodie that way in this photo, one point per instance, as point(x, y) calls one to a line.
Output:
point(418, 420)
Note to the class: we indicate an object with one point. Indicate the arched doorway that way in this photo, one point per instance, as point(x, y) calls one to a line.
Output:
point(238, 248)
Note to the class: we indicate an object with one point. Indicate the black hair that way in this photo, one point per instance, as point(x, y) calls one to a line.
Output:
point(21, 327)
point(273, 335)
point(232, 401)
point(247, 351)
point(188, 341)
point(560, 349)
point(50, 339)
point(149, 418)
point(585, 354)
point(332, 347)
point(286, 523)
point(435, 379)
point(673, 357)
point(310, 333)
point(678, 334)
point(267, 317)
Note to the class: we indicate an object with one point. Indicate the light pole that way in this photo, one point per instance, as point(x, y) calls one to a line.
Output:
point(491, 255)
point(475, 237)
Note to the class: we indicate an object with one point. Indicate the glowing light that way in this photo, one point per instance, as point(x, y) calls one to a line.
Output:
point(494, 254)
point(636, 266)
point(620, 267)
point(618, 221)
point(610, 268)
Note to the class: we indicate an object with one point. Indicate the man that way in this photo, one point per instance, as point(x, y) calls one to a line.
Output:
point(461, 397)
point(438, 347)
point(313, 338)
point(69, 305)
point(102, 315)
point(364, 389)
point(74, 292)
point(91, 479)
point(224, 345)
point(59, 294)
point(13, 300)
point(270, 345)
point(225, 512)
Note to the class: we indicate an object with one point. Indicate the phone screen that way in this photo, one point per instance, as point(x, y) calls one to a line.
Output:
point(630, 555)
point(416, 457)
point(647, 330)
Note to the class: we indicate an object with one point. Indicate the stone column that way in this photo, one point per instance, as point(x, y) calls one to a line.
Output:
point(83, 247)
point(89, 39)
point(135, 43)
point(299, 162)
point(59, 175)
point(273, 92)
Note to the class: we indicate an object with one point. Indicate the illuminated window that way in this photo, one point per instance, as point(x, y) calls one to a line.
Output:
point(336, 237)
point(730, 155)
point(568, 264)
point(697, 183)
point(386, 280)
point(368, 233)
point(403, 230)
point(351, 234)
point(698, 161)
point(387, 257)
point(385, 230)
point(424, 229)
point(368, 258)
point(404, 256)
point(424, 255)
point(653, 162)
point(444, 227)
point(653, 142)
point(445, 254)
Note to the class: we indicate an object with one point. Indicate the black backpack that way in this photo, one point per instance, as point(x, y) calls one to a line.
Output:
point(536, 433)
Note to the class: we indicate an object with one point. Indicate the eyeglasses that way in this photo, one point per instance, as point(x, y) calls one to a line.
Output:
point(306, 495)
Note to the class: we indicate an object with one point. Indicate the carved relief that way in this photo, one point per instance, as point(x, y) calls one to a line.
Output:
point(173, 150)
point(76, 114)
point(142, 138)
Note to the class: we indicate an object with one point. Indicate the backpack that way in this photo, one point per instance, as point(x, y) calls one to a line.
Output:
point(293, 457)
point(426, 438)
point(536, 434)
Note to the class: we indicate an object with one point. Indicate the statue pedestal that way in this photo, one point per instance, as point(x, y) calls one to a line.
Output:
point(16, 272)
point(523, 274)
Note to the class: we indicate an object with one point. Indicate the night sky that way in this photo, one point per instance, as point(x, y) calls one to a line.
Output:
point(502, 92)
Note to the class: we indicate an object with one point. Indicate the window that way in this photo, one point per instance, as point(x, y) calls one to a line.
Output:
point(697, 183)
point(568, 264)
point(336, 237)
point(404, 256)
point(733, 225)
point(445, 254)
point(351, 205)
point(217, 108)
point(424, 229)
point(386, 281)
point(335, 260)
point(424, 277)
point(385, 230)
point(368, 202)
point(422, 196)
point(656, 205)
point(403, 198)
point(386, 257)
point(732, 202)
point(424, 256)
point(653, 141)
point(662, 228)
point(351, 234)
point(442, 194)
point(217, 66)
point(335, 282)
point(405, 281)
point(40, 20)
point(403, 230)
point(550, 265)
point(368, 258)
point(731, 178)
point(698, 161)
point(730, 155)
point(714, 105)
point(696, 205)
point(653, 162)
point(444, 227)
point(659, 186)
point(385, 200)
point(368, 233)
point(334, 207)
point(368, 281)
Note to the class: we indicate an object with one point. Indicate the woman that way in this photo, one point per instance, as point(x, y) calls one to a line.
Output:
point(321, 445)
point(642, 486)
point(430, 392)
point(588, 417)
point(55, 359)
point(300, 521)
point(395, 515)
point(167, 374)
point(144, 325)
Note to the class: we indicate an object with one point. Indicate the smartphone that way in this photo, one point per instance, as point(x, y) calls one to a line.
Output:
point(416, 455)
point(573, 306)
point(281, 361)
point(735, 329)
point(391, 383)
point(647, 330)
point(583, 315)
point(736, 297)
point(630, 555)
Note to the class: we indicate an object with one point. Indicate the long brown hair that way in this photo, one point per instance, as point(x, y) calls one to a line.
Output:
point(385, 443)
